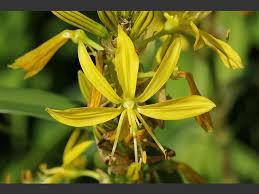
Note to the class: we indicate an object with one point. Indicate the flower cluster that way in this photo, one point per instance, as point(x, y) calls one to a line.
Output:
point(117, 90)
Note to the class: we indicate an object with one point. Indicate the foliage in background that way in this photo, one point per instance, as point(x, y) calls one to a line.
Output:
point(230, 154)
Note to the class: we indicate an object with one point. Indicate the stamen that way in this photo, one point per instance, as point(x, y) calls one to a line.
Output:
point(118, 131)
point(149, 130)
point(133, 127)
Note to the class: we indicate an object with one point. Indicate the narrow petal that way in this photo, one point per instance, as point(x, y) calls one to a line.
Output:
point(126, 64)
point(75, 152)
point(72, 140)
point(199, 43)
point(35, 60)
point(177, 109)
point(77, 19)
point(95, 77)
point(85, 86)
point(204, 120)
point(109, 19)
point(82, 117)
point(141, 24)
point(227, 54)
point(164, 71)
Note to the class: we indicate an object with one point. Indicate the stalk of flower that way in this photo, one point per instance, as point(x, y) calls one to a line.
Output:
point(35, 60)
point(129, 105)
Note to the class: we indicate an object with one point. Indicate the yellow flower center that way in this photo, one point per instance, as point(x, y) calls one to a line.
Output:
point(129, 104)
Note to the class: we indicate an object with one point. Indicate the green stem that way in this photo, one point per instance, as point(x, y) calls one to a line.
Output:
point(143, 75)
point(143, 43)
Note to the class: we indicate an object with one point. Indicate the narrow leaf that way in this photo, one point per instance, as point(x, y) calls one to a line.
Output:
point(30, 102)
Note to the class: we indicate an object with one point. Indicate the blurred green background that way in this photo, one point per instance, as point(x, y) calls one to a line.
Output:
point(228, 155)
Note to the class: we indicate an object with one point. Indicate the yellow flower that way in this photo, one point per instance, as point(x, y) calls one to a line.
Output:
point(228, 55)
point(74, 163)
point(184, 22)
point(35, 60)
point(129, 105)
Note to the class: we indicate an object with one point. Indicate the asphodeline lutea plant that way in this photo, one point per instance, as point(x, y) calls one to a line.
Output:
point(129, 106)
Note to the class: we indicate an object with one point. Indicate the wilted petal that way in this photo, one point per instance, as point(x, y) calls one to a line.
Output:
point(77, 19)
point(164, 70)
point(190, 175)
point(94, 76)
point(126, 64)
point(177, 109)
point(82, 117)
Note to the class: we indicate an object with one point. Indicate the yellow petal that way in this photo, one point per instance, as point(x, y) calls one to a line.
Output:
point(109, 19)
point(85, 86)
point(134, 172)
point(164, 71)
point(72, 140)
point(126, 64)
point(95, 77)
point(75, 152)
point(204, 120)
point(82, 117)
point(199, 43)
point(141, 24)
point(227, 54)
point(176, 109)
point(77, 19)
point(35, 60)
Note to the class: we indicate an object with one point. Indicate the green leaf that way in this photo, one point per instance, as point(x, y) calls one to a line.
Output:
point(31, 102)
